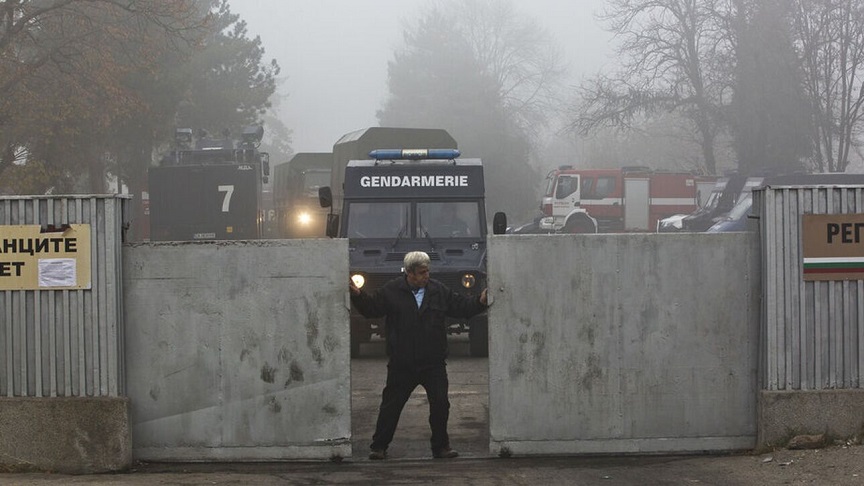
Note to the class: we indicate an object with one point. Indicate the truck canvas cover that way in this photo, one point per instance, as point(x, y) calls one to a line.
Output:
point(357, 145)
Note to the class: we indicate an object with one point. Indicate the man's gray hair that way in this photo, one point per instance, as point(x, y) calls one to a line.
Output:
point(415, 259)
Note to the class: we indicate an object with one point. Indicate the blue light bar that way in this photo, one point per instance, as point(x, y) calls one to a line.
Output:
point(414, 154)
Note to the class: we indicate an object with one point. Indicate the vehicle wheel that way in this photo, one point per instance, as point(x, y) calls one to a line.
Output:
point(478, 336)
point(578, 226)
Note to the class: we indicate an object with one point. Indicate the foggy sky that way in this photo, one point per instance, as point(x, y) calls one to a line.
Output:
point(334, 54)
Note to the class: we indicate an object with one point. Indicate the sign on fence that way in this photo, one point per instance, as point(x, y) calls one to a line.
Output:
point(833, 246)
point(36, 258)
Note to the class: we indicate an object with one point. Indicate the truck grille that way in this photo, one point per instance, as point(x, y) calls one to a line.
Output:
point(399, 256)
point(451, 280)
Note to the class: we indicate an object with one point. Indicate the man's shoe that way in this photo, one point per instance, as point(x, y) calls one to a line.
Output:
point(445, 453)
point(377, 455)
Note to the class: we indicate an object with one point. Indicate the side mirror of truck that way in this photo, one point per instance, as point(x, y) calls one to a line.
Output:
point(265, 167)
point(332, 225)
point(499, 223)
point(325, 196)
point(265, 164)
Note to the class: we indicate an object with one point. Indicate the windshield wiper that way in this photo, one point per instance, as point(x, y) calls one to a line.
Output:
point(399, 236)
point(402, 231)
point(425, 233)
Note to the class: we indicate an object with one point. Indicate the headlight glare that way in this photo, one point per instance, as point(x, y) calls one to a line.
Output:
point(359, 280)
point(469, 281)
point(304, 218)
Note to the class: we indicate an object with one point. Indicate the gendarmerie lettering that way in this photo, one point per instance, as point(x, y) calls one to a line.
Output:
point(415, 181)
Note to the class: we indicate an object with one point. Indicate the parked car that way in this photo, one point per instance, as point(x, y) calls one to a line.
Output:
point(671, 224)
point(725, 193)
point(532, 228)
point(737, 218)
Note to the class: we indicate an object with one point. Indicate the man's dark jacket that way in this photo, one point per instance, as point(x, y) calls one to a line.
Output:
point(416, 338)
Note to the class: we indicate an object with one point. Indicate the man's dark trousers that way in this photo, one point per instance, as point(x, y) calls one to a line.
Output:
point(400, 383)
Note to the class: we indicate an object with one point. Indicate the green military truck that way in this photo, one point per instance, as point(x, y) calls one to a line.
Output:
point(295, 194)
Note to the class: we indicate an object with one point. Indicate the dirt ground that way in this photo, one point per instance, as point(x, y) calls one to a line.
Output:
point(836, 465)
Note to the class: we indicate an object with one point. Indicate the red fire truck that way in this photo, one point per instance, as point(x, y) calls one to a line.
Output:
point(618, 200)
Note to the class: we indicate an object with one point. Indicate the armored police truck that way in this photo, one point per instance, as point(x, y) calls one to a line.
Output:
point(408, 200)
point(209, 190)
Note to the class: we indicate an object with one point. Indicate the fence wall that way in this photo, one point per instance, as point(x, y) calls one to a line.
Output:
point(813, 330)
point(62, 378)
point(598, 343)
point(65, 343)
point(623, 343)
point(238, 350)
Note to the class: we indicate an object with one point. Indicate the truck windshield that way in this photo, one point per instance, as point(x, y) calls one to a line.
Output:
point(377, 219)
point(313, 179)
point(448, 219)
point(713, 200)
point(741, 209)
point(566, 185)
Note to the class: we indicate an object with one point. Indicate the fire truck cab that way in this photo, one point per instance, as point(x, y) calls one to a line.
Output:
point(616, 200)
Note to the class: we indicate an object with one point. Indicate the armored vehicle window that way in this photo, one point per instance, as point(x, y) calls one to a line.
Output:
point(378, 219)
point(448, 219)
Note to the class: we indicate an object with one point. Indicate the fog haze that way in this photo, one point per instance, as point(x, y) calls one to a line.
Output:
point(334, 54)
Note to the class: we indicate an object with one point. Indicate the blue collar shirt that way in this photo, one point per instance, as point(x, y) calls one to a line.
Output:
point(418, 295)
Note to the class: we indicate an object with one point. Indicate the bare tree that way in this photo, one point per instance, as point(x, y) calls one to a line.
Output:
point(518, 55)
point(675, 54)
point(830, 38)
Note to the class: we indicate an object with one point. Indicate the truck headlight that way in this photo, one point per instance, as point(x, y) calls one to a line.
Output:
point(469, 280)
point(359, 280)
point(304, 218)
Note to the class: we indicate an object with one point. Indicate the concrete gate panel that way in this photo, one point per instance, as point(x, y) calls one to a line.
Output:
point(238, 350)
point(623, 343)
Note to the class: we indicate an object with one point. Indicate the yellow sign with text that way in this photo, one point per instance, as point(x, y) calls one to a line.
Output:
point(31, 259)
